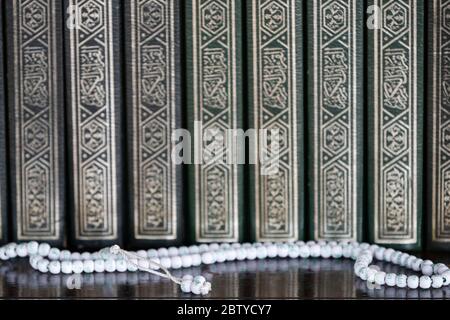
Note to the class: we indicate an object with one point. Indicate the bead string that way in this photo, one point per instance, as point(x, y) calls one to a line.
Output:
point(44, 258)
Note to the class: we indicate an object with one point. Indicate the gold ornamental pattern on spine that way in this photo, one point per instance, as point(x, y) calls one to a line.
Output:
point(336, 104)
point(395, 123)
point(153, 107)
point(440, 113)
point(216, 106)
point(275, 107)
point(36, 119)
point(94, 136)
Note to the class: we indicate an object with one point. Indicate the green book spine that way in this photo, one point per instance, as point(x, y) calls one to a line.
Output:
point(275, 86)
point(213, 50)
point(95, 121)
point(3, 163)
point(395, 116)
point(335, 119)
point(154, 97)
point(438, 115)
point(36, 119)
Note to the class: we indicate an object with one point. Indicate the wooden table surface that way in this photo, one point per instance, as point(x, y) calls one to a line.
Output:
point(298, 279)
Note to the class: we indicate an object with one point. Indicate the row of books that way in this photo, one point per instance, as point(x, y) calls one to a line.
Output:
point(95, 89)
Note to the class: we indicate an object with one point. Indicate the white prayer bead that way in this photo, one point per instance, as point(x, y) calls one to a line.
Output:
point(214, 247)
point(241, 254)
point(271, 250)
point(32, 248)
point(199, 280)
point(325, 251)
point(373, 248)
point(173, 251)
point(331, 243)
point(304, 251)
point(77, 256)
point(121, 265)
point(196, 259)
point(321, 242)
point(427, 268)
point(186, 286)
point(186, 261)
point(64, 255)
point(410, 261)
point(193, 249)
point(293, 252)
point(446, 276)
point(152, 253)
point(77, 266)
point(401, 281)
point(437, 267)
point(88, 266)
point(224, 246)
point(183, 251)
point(166, 262)
point(261, 252)
point(11, 250)
point(357, 268)
point(99, 265)
point(336, 252)
point(388, 254)
point(110, 265)
point(391, 279)
point(66, 266)
point(188, 277)
point(22, 250)
point(54, 254)
point(251, 253)
point(379, 253)
point(403, 259)
point(425, 282)
point(282, 250)
point(163, 252)
point(142, 263)
point(85, 256)
point(416, 265)
point(142, 254)
point(363, 273)
point(155, 262)
point(413, 282)
point(364, 246)
point(196, 288)
point(176, 262)
point(437, 281)
point(132, 265)
point(54, 267)
point(34, 260)
point(43, 265)
point(380, 278)
point(371, 274)
point(314, 251)
point(221, 256)
point(395, 258)
point(347, 251)
point(236, 245)
point(207, 258)
point(3, 255)
point(206, 287)
point(203, 248)
point(44, 249)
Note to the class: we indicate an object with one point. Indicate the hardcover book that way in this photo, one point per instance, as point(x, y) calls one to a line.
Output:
point(335, 119)
point(154, 101)
point(438, 115)
point(395, 124)
point(3, 163)
point(275, 86)
point(213, 50)
point(93, 66)
point(36, 113)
